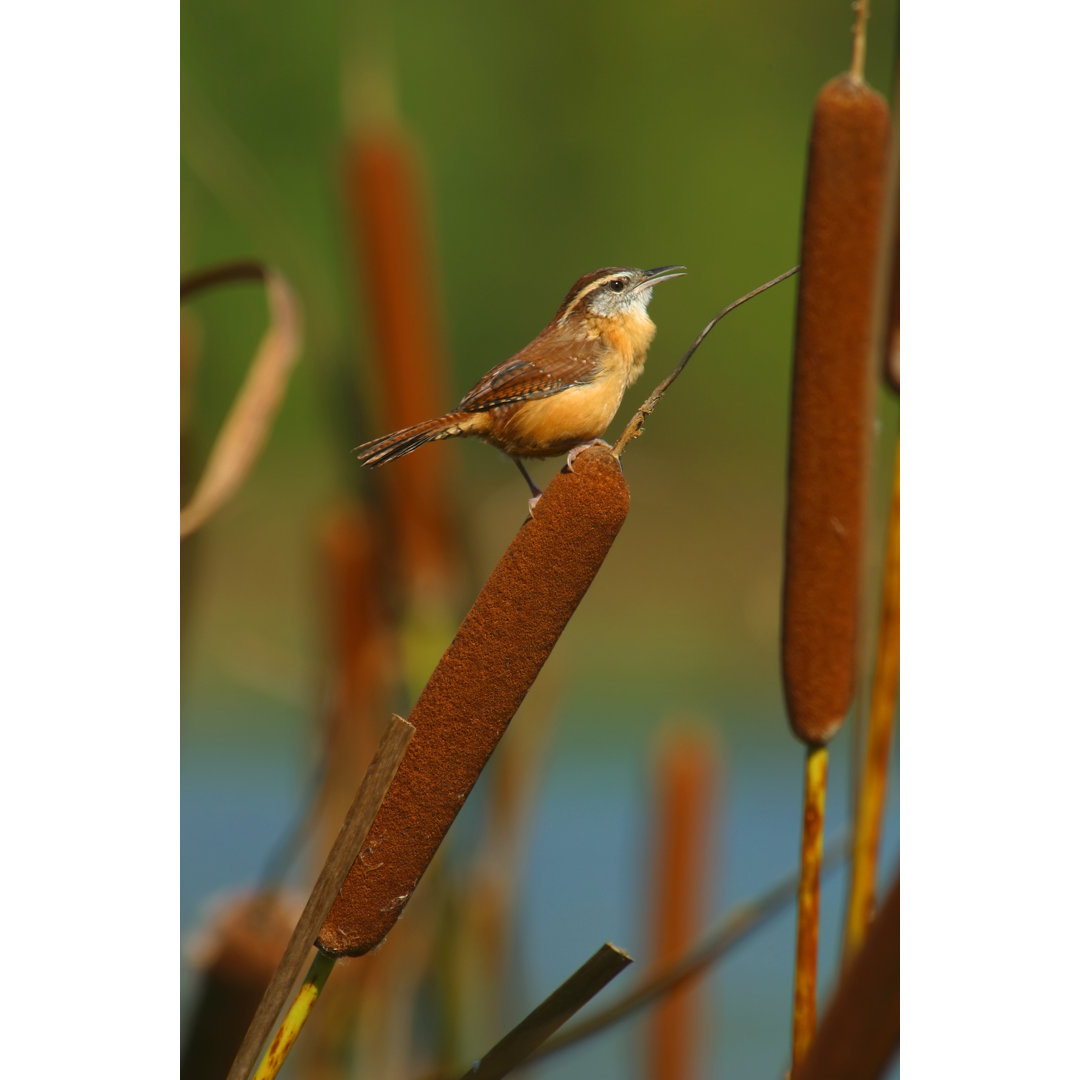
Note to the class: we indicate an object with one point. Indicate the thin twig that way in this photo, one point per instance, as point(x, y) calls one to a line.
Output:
point(637, 421)
point(354, 830)
point(589, 979)
point(734, 928)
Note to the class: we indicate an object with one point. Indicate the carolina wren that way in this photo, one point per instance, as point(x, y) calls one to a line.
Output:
point(564, 387)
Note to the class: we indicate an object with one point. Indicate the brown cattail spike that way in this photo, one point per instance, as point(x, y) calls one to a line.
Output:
point(476, 689)
point(831, 403)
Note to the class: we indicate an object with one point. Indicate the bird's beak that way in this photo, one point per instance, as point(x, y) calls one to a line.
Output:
point(660, 273)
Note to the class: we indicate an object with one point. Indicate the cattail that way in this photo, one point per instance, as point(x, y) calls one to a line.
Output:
point(831, 407)
point(476, 689)
point(831, 404)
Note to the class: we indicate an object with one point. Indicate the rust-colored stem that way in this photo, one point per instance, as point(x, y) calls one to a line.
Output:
point(806, 948)
point(879, 738)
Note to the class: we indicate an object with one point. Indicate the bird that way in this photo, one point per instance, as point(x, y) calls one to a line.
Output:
point(560, 392)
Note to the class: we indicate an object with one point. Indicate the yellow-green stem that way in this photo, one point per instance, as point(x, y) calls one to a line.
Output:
point(806, 946)
point(295, 1018)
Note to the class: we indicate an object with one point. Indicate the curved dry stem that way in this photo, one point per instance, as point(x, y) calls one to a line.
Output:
point(248, 423)
point(637, 421)
point(200, 280)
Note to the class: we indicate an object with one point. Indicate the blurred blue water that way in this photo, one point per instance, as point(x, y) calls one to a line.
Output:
point(586, 875)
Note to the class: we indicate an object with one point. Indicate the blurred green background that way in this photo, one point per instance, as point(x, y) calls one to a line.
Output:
point(556, 138)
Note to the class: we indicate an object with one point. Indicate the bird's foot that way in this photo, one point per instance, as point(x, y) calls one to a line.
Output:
point(536, 493)
point(584, 446)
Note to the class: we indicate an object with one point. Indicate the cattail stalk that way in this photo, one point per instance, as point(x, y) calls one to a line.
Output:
point(294, 1020)
point(804, 1013)
point(828, 462)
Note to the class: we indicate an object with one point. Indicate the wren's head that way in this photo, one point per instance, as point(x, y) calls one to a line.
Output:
point(615, 291)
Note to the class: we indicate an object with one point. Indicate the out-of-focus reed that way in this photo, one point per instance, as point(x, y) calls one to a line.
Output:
point(686, 777)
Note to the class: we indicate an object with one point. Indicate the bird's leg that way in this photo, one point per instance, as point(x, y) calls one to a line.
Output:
point(583, 446)
point(536, 492)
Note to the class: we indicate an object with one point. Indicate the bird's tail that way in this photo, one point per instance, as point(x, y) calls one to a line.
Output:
point(399, 443)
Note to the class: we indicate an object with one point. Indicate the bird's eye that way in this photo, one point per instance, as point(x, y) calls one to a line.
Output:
point(617, 285)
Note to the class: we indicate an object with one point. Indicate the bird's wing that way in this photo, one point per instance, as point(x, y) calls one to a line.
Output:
point(539, 370)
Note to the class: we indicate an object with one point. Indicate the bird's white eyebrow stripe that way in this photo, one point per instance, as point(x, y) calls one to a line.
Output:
point(592, 287)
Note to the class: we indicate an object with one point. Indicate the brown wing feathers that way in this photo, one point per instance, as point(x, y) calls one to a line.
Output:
point(538, 371)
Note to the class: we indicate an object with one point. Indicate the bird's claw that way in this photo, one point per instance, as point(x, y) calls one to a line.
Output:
point(584, 446)
point(532, 504)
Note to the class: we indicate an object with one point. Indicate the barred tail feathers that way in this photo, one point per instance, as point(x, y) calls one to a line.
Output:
point(399, 443)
